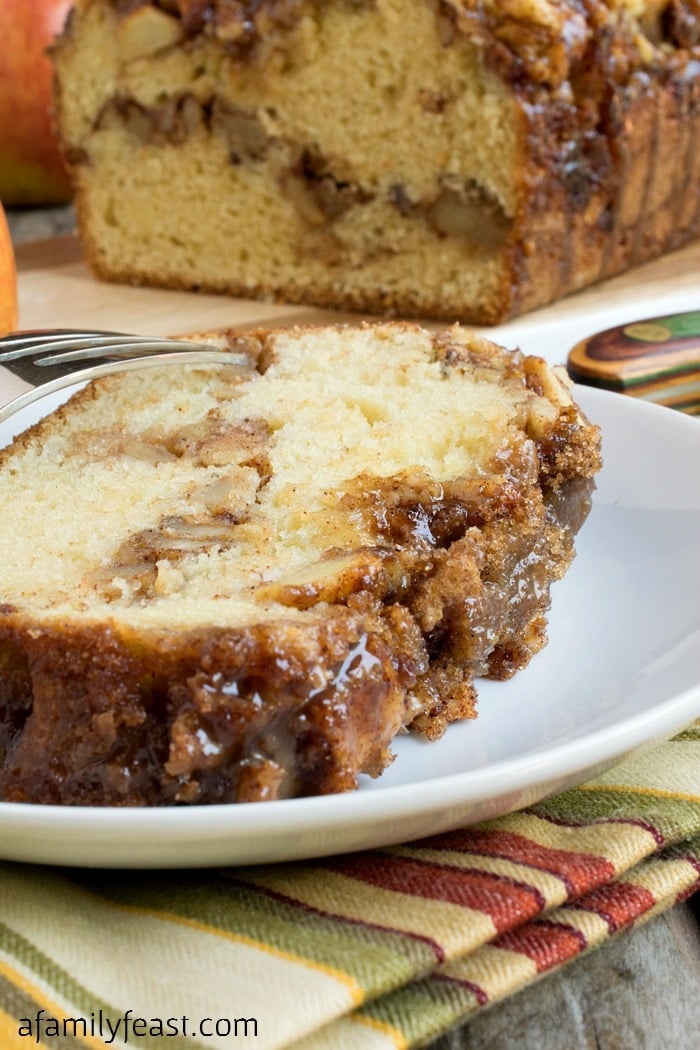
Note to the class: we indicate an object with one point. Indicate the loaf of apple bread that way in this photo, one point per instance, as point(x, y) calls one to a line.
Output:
point(243, 584)
point(451, 159)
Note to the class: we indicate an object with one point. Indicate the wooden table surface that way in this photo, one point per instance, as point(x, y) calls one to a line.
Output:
point(638, 992)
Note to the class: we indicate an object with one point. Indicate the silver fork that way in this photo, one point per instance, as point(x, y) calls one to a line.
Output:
point(52, 359)
point(38, 355)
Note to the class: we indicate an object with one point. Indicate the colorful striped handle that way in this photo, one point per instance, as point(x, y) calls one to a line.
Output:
point(657, 359)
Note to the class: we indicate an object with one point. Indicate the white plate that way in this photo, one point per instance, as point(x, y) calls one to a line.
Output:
point(621, 672)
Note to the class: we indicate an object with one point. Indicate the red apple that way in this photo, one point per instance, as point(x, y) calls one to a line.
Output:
point(8, 279)
point(31, 169)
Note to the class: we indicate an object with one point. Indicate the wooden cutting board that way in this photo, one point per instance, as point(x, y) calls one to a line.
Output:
point(56, 289)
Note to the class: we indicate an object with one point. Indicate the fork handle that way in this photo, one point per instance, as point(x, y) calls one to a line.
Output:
point(656, 358)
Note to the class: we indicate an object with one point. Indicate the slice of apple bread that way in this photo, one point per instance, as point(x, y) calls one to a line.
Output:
point(243, 584)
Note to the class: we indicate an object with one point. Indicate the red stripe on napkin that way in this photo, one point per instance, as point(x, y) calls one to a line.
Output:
point(618, 904)
point(547, 944)
point(504, 900)
point(580, 872)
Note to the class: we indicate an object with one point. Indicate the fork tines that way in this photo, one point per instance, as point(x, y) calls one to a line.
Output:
point(82, 345)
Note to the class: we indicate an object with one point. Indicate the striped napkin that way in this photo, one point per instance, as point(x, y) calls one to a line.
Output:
point(381, 949)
